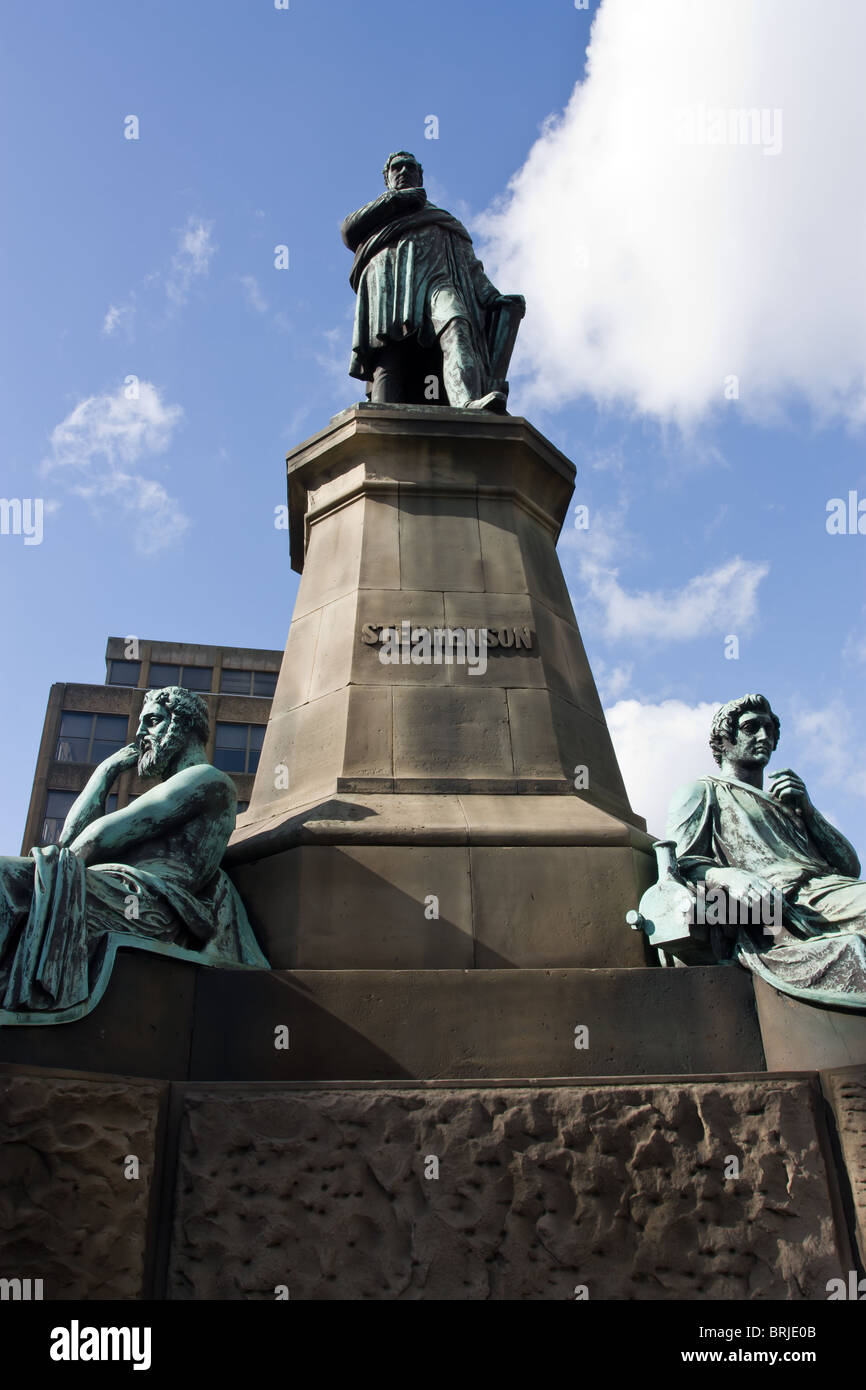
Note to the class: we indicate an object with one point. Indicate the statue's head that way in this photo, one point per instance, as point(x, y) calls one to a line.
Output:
point(402, 170)
point(746, 730)
point(171, 719)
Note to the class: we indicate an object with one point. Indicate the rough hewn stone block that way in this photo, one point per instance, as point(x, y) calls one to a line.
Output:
point(68, 1215)
point(846, 1090)
point(619, 1188)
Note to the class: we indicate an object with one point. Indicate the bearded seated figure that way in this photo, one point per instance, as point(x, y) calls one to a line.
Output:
point(146, 876)
point(796, 911)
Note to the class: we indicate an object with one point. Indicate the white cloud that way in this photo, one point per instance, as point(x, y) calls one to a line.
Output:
point(660, 748)
point(653, 268)
point(716, 602)
point(334, 361)
point(827, 740)
point(119, 316)
point(94, 450)
point(722, 600)
point(191, 260)
point(253, 294)
point(854, 648)
point(612, 680)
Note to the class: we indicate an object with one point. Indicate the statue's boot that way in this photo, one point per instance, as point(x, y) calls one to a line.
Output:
point(494, 400)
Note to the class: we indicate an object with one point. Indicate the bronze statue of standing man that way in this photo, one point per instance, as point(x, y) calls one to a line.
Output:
point(425, 309)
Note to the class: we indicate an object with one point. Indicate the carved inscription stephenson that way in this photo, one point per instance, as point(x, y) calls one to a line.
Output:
point(447, 637)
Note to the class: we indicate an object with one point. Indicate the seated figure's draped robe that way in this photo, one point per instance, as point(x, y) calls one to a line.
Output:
point(821, 954)
point(61, 925)
point(413, 273)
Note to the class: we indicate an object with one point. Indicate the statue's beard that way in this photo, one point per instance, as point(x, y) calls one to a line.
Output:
point(157, 755)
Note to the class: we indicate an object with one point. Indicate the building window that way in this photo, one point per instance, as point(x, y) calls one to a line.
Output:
point(190, 677)
point(89, 738)
point(243, 806)
point(248, 682)
point(238, 746)
point(57, 808)
point(124, 672)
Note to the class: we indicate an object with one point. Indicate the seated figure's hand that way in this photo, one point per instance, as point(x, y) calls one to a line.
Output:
point(790, 789)
point(122, 760)
point(745, 887)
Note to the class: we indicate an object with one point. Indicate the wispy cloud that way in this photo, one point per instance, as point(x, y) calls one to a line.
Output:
point(335, 358)
point(612, 679)
point(120, 318)
point(190, 262)
point(94, 452)
point(854, 648)
point(824, 739)
point(723, 599)
point(253, 294)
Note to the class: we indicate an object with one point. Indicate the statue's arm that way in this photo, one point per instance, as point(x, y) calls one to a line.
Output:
point(832, 844)
point(689, 826)
point(91, 803)
point(197, 791)
point(394, 202)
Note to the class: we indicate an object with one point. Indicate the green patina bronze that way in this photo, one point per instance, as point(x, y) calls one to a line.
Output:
point(425, 308)
point(147, 876)
point(771, 883)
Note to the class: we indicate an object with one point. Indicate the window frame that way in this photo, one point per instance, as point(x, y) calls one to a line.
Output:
point(181, 668)
point(250, 693)
point(91, 738)
point(246, 770)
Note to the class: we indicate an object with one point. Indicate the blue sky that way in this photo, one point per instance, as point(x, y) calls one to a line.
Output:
point(154, 258)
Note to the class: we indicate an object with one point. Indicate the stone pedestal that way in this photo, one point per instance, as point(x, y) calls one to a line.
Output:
point(453, 978)
point(424, 814)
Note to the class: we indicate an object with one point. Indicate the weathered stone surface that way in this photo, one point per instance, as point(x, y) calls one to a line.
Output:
point(568, 908)
point(801, 1037)
point(387, 906)
point(580, 895)
point(846, 1091)
point(381, 1025)
point(620, 1188)
point(68, 1215)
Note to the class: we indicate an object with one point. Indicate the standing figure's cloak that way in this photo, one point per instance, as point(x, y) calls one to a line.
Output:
point(414, 271)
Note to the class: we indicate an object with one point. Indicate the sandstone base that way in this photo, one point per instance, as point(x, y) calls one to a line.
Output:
point(650, 1189)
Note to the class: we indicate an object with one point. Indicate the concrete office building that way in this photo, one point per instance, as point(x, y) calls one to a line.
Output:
point(86, 723)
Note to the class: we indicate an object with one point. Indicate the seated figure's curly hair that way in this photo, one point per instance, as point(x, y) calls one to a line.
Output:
point(191, 708)
point(725, 720)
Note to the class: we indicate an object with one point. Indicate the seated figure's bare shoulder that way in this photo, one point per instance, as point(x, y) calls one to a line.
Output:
point(204, 781)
